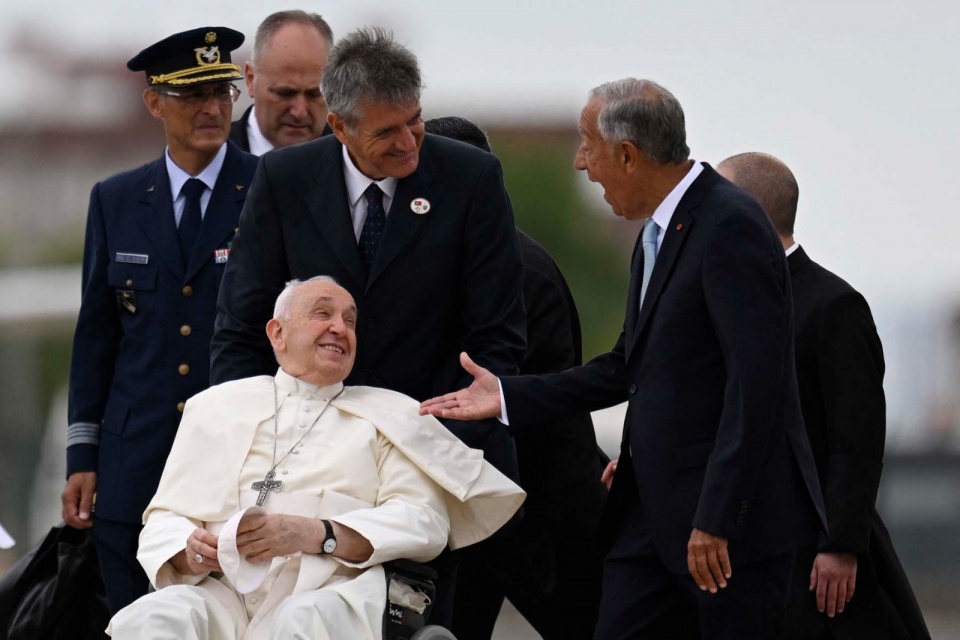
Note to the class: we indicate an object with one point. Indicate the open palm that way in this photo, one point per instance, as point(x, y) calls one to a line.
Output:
point(478, 401)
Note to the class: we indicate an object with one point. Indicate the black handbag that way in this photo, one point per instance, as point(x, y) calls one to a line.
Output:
point(55, 591)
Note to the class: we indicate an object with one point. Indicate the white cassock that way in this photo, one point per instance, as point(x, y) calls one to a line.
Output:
point(370, 463)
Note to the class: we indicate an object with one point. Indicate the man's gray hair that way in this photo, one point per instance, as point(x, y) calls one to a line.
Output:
point(646, 114)
point(282, 309)
point(368, 67)
point(275, 21)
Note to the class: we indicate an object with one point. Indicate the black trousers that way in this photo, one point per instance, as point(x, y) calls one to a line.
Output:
point(644, 600)
point(123, 577)
point(547, 566)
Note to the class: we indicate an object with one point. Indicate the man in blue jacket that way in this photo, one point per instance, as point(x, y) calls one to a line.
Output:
point(157, 242)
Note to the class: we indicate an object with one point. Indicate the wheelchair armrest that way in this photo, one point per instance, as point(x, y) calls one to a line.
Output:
point(401, 622)
point(412, 569)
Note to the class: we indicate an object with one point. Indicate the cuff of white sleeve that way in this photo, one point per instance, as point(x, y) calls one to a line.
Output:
point(503, 406)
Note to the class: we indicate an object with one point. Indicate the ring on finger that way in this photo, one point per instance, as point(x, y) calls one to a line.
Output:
point(198, 559)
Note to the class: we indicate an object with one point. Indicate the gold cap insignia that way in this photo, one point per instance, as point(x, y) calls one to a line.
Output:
point(211, 37)
point(207, 55)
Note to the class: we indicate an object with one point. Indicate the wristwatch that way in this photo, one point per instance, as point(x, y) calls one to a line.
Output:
point(329, 544)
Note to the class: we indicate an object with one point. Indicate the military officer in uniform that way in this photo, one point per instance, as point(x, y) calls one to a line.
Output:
point(157, 241)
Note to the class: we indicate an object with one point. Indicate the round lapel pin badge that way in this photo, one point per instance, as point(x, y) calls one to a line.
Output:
point(420, 206)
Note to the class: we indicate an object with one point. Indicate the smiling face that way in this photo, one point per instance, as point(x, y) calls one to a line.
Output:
point(316, 341)
point(284, 83)
point(386, 141)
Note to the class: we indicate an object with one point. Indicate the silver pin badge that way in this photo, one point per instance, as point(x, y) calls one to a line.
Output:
point(420, 206)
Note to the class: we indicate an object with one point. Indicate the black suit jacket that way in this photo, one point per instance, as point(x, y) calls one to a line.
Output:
point(442, 282)
point(840, 371)
point(144, 329)
point(238, 130)
point(561, 452)
point(713, 426)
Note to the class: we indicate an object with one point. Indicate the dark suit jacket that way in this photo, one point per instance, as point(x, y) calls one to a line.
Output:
point(133, 363)
point(238, 130)
point(443, 282)
point(840, 373)
point(561, 452)
point(713, 425)
point(560, 470)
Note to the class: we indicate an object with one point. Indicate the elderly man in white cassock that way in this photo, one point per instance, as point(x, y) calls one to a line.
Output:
point(283, 495)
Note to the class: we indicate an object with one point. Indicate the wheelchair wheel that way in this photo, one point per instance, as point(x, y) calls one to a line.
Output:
point(433, 632)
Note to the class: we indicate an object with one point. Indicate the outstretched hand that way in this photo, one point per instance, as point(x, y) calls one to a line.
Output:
point(478, 401)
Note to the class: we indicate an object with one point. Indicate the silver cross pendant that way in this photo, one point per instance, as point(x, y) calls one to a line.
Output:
point(265, 486)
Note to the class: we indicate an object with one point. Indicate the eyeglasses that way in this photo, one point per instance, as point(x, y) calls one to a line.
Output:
point(223, 94)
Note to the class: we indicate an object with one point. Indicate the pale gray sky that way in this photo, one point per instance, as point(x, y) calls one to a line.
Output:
point(860, 98)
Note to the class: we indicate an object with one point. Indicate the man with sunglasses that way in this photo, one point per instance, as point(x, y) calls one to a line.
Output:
point(157, 241)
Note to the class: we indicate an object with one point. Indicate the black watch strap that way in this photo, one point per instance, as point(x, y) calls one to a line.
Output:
point(329, 544)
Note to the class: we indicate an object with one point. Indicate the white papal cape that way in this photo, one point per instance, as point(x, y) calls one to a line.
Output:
point(199, 487)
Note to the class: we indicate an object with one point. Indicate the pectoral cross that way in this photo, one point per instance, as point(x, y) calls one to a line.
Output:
point(265, 486)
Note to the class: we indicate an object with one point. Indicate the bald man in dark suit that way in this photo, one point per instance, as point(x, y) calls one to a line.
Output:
point(851, 584)
point(283, 78)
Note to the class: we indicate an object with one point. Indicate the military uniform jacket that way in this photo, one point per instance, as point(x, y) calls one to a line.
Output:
point(142, 342)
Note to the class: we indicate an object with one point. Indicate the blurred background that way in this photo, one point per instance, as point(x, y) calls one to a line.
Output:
point(859, 98)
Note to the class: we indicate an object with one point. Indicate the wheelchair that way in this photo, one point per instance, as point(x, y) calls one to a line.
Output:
point(402, 621)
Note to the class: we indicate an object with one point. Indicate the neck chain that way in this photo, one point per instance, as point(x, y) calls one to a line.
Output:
point(268, 483)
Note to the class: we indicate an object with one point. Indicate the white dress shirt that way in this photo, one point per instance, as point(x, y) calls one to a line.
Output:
point(259, 145)
point(664, 212)
point(357, 183)
point(179, 177)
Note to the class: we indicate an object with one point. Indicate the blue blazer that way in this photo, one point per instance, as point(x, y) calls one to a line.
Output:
point(142, 341)
point(713, 425)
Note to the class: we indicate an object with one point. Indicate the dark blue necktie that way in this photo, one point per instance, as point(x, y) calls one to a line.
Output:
point(190, 220)
point(372, 226)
